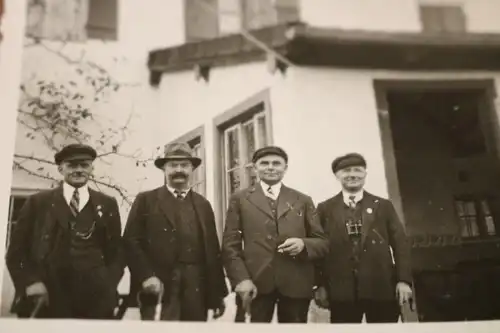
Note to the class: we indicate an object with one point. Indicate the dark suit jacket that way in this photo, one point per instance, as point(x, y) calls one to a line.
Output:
point(40, 239)
point(249, 212)
point(151, 242)
point(382, 230)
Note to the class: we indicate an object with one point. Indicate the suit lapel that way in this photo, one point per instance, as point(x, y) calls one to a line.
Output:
point(166, 203)
point(198, 208)
point(60, 208)
point(257, 197)
point(96, 203)
point(337, 212)
point(369, 205)
point(286, 200)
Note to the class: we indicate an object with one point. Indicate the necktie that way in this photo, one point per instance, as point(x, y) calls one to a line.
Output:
point(179, 194)
point(74, 203)
point(270, 191)
point(352, 203)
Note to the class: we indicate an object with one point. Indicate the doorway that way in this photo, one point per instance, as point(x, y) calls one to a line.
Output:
point(441, 154)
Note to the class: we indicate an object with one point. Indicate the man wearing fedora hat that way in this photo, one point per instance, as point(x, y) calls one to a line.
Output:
point(172, 245)
point(367, 271)
point(66, 251)
point(271, 238)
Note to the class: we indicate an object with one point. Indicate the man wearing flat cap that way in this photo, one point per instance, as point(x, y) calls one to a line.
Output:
point(271, 238)
point(367, 271)
point(66, 251)
point(172, 246)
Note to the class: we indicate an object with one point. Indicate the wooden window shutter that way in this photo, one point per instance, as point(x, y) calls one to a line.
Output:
point(200, 22)
point(57, 19)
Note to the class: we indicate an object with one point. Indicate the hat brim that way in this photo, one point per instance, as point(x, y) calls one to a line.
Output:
point(160, 162)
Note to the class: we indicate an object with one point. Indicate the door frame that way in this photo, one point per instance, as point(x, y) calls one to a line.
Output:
point(383, 86)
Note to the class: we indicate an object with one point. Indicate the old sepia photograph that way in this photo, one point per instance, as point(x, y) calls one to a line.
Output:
point(253, 161)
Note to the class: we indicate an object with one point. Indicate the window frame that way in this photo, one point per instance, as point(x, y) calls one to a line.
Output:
point(237, 115)
point(15, 193)
point(480, 216)
point(193, 138)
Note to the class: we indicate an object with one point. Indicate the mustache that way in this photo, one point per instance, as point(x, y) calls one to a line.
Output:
point(178, 175)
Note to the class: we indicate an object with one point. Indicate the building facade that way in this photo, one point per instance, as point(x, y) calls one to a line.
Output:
point(413, 89)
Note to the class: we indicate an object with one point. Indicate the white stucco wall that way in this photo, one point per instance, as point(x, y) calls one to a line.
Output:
point(314, 114)
point(393, 15)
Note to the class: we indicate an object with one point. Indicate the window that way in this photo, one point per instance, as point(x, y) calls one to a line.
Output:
point(15, 205)
point(240, 142)
point(198, 178)
point(442, 19)
point(102, 20)
point(207, 19)
point(475, 217)
point(195, 139)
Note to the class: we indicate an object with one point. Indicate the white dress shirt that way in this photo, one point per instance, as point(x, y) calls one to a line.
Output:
point(275, 189)
point(358, 196)
point(83, 193)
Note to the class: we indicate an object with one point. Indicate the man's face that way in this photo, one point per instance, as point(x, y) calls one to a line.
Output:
point(76, 172)
point(178, 173)
point(352, 178)
point(271, 168)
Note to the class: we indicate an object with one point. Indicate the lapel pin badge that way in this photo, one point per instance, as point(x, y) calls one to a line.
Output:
point(369, 210)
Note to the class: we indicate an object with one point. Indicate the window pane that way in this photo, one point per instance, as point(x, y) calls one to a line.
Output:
point(251, 175)
point(248, 130)
point(233, 149)
point(261, 123)
point(490, 226)
point(464, 227)
point(473, 226)
point(460, 208)
point(470, 208)
point(234, 181)
point(485, 207)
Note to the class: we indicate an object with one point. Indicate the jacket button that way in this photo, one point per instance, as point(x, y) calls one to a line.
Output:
point(269, 237)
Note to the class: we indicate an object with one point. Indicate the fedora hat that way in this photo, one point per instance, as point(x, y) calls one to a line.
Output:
point(177, 151)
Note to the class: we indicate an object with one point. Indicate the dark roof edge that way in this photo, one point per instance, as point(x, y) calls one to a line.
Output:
point(314, 46)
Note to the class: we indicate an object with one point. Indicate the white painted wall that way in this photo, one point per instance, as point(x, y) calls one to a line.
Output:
point(317, 115)
point(393, 15)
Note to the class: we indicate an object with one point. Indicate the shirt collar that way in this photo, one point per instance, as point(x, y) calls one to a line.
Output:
point(172, 190)
point(358, 196)
point(68, 189)
point(276, 188)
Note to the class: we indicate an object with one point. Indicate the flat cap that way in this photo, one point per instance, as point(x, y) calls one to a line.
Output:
point(269, 150)
point(75, 152)
point(348, 160)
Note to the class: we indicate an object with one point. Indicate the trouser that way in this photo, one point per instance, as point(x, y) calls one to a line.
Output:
point(186, 302)
point(290, 310)
point(352, 311)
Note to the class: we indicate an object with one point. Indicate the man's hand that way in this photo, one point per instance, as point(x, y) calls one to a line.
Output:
point(247, 292)
point(152, 285)
point(292, 246)
point(38, 289)
point(219, 311)
point(403, 293)
point(321, 298)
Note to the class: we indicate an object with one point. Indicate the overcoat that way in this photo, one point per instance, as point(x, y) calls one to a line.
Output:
point(151, 241)
point(382, 232)
point(40, 243)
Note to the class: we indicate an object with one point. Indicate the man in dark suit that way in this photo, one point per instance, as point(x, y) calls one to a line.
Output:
point(172, 245)
point(271, 237)
point(66, 249)
point(368, 266)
